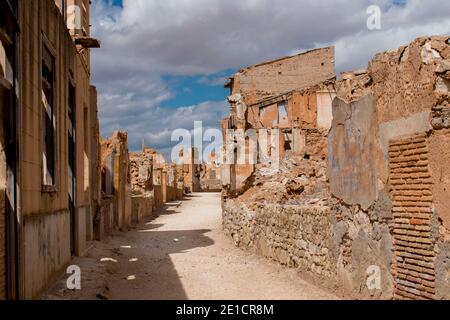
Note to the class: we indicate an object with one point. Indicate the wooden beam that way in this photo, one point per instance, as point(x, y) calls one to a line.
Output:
point(87, 42)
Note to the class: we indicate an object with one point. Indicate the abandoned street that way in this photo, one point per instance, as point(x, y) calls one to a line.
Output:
point(182, 254)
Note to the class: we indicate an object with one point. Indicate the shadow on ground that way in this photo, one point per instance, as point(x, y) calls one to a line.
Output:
point(138, 266)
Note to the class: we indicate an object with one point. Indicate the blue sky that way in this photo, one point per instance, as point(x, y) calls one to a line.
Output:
point(193, 89)
point(163, 64)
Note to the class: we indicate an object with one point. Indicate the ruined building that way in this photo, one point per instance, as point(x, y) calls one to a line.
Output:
point(211, 174)
point(48, 157)
point(116, 185)
point(366, 208)
point(292, 94)
point(141, 166)
point(191, 170)
point(133, 185)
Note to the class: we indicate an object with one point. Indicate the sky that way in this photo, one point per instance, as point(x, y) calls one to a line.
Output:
point(163, 64)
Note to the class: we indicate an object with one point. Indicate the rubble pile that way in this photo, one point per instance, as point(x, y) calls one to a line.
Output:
point(297, 181)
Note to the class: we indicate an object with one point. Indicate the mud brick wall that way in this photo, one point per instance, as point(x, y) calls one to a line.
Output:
point(273, 78)
point(411, 192)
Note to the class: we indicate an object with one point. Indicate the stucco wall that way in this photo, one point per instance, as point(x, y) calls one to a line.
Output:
point(46, 250)
point(351, 150)
point(46, 233)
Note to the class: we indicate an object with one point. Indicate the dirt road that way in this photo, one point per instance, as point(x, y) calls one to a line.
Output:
point(182, 254)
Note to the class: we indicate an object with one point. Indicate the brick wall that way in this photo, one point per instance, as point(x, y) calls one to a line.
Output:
point(280, 76)
point(414, 256)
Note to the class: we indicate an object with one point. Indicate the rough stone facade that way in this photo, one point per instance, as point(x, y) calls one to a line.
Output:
point(380, 208)
point(292, 95)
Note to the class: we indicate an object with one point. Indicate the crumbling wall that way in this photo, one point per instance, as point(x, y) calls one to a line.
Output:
point(142, 200)
point(171, 182)
point(141, 167)
point(384, 200)
point(403, 158)
point(295, 236)
point(351, 149)
point(158, 200)
point(116, 177)
point(273, 78)
point(412, 209)
point(290, 217)
point(142, 207)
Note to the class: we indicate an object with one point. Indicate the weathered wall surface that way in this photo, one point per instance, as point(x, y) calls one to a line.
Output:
point(3, 199)
point(142, 207)
point(95, 167)
point(116, 179)
point(45, 260)
point(352, 150)
point(158, 197)
point(439, 154)
point(334, 243)
point(104, 220)
point(410, 102)
point(46, 246)
point(294, 236)
point(277, 77)
point(384, 207)
point(141, 167)
point(412, 209)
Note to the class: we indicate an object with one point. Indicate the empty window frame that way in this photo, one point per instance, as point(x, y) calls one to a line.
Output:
point(283, 114)
point(48, 119)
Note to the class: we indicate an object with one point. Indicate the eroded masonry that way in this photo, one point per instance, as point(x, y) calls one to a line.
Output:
point(361, 198)
point(61, 185)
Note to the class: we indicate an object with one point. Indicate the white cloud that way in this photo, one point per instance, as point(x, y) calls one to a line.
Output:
point(150, 38)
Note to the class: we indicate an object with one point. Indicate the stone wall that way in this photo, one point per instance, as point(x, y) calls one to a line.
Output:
point(295, 236)
point(384, 203)
point(290, 217)
point(141, 167)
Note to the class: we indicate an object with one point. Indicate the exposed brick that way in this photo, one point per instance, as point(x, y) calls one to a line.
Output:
point(414, 256)
point(414, 248)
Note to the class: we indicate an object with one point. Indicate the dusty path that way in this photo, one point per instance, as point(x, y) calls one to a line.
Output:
point(183, 254)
